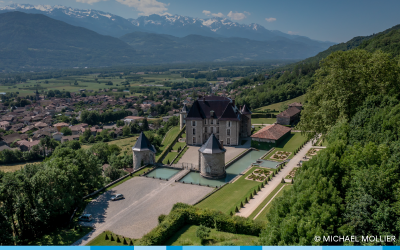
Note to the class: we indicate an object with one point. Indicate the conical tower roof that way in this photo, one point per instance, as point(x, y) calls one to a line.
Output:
point(245, 110)
point(212, 146)
point(184, 109)
point(143, 144)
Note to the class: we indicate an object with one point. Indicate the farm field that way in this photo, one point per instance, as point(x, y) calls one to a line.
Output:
point(230, 196)
point(187, 237)
point(263, 215)
point(89, 82)
point(15, 166)
point(278, 106)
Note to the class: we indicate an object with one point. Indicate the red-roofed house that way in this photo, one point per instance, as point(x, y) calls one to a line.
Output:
point(288, 116)
point(272, 134)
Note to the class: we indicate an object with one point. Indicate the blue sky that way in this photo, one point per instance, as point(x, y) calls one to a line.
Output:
point(336, 21)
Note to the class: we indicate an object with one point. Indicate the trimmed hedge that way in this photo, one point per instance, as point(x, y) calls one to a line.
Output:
point(169, 147)
point(183, 214)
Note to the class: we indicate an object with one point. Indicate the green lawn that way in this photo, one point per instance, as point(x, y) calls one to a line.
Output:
point(263, 215)
point(101, 241)
point(289, 144)
point(230, 196)
point(278, 106)
point(263, 120)
point(187, 237)
point(180, 156)
point(170, 156)
point(12, 167)
point(257, 128)
point(61, 237)
point(125, 144)
point(269, 197)
point(178, 144)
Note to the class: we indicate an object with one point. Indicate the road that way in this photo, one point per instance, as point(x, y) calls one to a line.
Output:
point(136, 215)
point(249, 208)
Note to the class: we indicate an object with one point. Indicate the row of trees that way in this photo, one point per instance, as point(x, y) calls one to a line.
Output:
point(350, 188)
point(94, 117)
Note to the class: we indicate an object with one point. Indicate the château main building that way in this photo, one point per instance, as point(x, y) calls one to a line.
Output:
point(216, 115)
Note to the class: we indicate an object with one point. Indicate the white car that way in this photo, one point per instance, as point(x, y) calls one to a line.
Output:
point(117, 197)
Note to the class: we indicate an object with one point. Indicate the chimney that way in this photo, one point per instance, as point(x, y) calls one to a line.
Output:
point(212, 113)
point(222, 144)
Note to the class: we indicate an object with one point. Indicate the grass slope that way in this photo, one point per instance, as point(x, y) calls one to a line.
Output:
point(279, 106)
point(187, 237)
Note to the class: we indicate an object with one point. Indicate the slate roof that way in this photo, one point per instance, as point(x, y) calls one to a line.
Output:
point(212, 146)
point(143, 144)
point(184, 109)
point(245, 110)
point(201, 109)
point(289, 112)
point(272, 132)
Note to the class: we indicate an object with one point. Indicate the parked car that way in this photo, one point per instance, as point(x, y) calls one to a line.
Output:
point(85, 217)
point(117, 197)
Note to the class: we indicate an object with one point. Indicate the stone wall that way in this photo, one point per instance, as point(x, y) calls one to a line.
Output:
point(285, 120)
point(147, 156)
point(212, 165)
point(221, 135)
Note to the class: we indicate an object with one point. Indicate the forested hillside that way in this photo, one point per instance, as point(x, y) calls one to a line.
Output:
point(352, 187)
point(293, 80)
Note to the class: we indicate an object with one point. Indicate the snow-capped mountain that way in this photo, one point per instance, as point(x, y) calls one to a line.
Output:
point(175, 25)
point(98, 21)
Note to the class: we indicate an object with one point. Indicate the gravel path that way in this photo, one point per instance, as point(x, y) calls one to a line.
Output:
point(249, 208)
point(137, 214)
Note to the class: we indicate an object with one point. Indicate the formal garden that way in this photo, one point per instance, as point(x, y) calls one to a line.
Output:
point(280, 155)
point(260, 174)
point(292, 173)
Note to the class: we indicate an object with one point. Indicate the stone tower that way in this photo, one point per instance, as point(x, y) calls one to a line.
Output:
point(212, 159)
point(246, 121)
point(182, 116)
point(143, 151)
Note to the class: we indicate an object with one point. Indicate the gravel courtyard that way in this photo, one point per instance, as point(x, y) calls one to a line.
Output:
point(145, 199)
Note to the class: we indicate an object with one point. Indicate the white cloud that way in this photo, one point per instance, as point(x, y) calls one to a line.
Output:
point(248, 13)
point(208, 13)
point(270, 19)
point(237, 16)
point(292, 32)
point(89, 1)
point(145, 7)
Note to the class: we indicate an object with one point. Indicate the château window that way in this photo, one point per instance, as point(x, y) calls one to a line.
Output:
point(212, 129)
point(217, 130)
point(228, 124)
point(193, 123)
point(205, 129)
point(228, 132)
point(211, 121)
point(194, 131)
point(194, 140)
point(205, 121)
point(228, 141)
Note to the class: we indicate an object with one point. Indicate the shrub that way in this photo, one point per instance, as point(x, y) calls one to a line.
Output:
point(106, 238)
point(203, 232)
point(124, 242)
point(231, 213)
point(161, 218)
point(251, 196)
point(254, 192)
point(283, 180)
point(118, 239)
point(236, 209)
point(245, 200)
point(292, 181)
point(259, 188)
point(112, 238)
point(131, 243)
point(241, 204)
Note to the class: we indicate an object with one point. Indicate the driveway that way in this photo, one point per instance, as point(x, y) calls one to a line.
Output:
point(192, 154)
point(137, 214)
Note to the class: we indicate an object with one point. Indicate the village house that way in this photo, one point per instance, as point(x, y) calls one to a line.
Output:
point(289, 116)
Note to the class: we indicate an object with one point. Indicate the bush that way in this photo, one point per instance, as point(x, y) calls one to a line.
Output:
point(283, 180)
point(124, 242)
point(203, 232)
point(106, 238)
point(112, 238)
point(118, 239)
point(236, 209)
point(161, 218)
